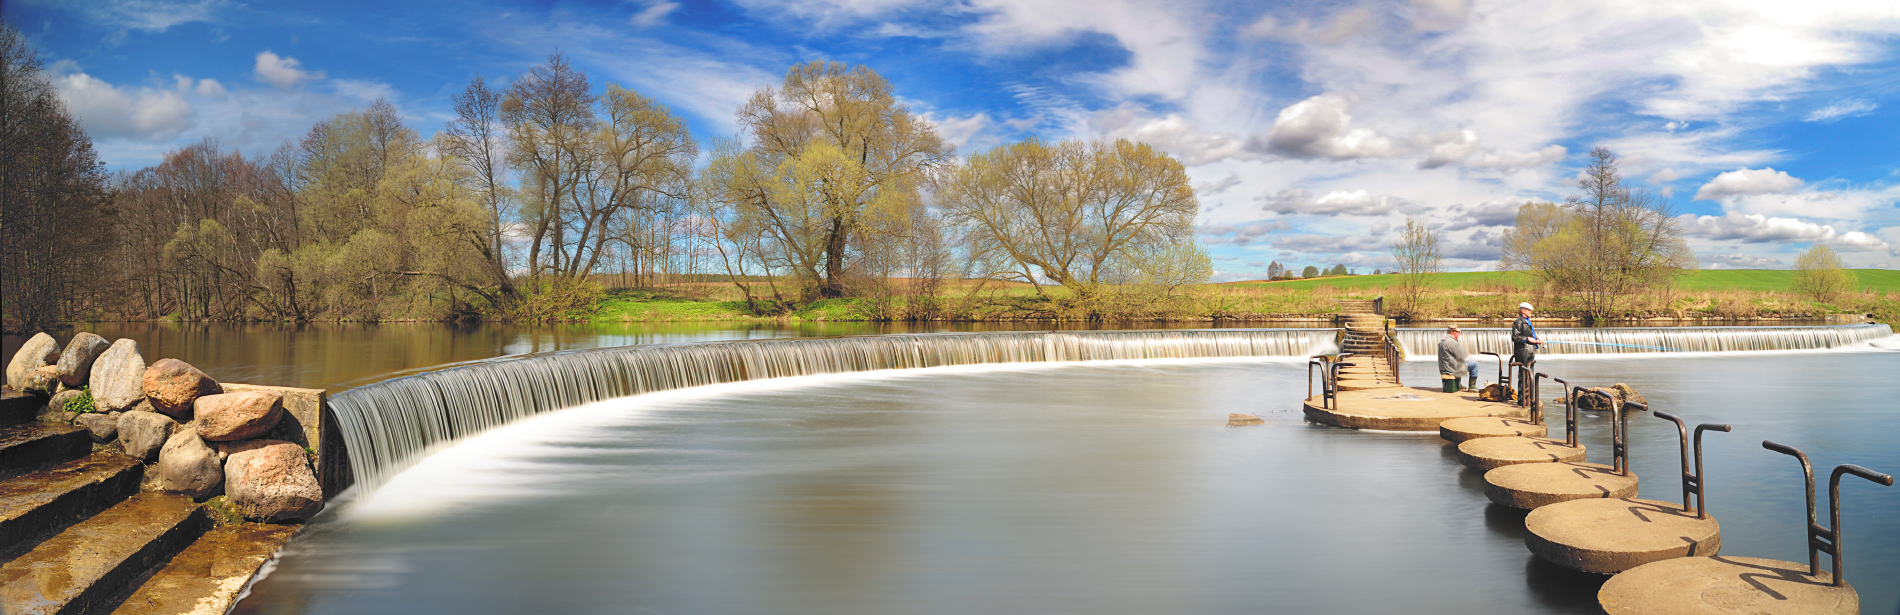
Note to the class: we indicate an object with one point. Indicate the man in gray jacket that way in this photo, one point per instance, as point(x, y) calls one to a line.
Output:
point(1451, 361)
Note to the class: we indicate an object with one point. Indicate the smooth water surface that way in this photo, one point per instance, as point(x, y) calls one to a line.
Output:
point(1111, 487)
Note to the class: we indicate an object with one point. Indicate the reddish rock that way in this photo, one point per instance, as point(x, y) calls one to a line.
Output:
point(272, 482)
point(238, 416)
point(173, 385)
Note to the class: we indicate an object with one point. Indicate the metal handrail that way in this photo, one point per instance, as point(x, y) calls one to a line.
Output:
point(1692, 483)
point(1821, 538)
point(1500, 359)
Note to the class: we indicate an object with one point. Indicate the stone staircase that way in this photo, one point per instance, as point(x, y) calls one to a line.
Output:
point(1364, 335)
point(78, 537)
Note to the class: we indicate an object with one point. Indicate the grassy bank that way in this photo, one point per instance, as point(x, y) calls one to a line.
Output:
point(1700, 295)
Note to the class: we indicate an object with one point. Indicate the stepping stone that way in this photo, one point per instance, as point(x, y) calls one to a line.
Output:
point(1472, 428)
point(1607, 536)
point(1402, 408)
point(1724, 585)
point(1487, 454)
point(27, 447)
point(1533, 485)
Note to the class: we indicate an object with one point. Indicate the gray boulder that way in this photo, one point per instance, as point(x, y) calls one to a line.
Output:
point(104, 427)
point(172, 385)
point(42, 381)
point(187, 466)
point(272, 481)
point(38, 351)
point(143, 433)
point(75, 364)
point(118, 377)
point(239, 416)
point(57, 404)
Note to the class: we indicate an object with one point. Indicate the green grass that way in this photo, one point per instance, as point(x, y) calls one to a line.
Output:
point(622, 305)
point(1759, 280)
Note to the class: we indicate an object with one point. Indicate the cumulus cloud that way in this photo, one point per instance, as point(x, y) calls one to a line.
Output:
point(1331, 244)
point(1463, 147)
point(1511, 161)
point(958, 131)
point(1337, 202)
point(1839, 110)
point(1740, 182)
point(1341, 27)
point(1320, 127)
point(1741, 261)
point(1488, 213)
point(1218, 186)
point(1171, 134)
point(1241, 234)
point(1756, 228)
point(282, 71)
point(1481, 246)
point(109, 112)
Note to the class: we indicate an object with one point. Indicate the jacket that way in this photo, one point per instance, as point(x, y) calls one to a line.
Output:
point(1451, 357)
point(1522, 331)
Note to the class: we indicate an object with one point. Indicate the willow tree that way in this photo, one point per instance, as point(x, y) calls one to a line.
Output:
point(831, 154)
point(1079, 214)
point(1819, 275)
point(1604, 244)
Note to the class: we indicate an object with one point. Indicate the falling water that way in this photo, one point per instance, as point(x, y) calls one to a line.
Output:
point(389, 425)
point(1424, 342)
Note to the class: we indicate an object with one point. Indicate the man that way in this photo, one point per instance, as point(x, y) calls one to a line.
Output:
point(1451, 361)
point(1524, 340)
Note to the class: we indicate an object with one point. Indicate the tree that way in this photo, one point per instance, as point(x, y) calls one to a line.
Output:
point(1418, 256)
point(475, 140)
point(1606, 243)
point(1275, 270)
point(1310, 272)
point(1819, 275)
point(832, 153)
point(53, 203)
point(1083, 215)
point(1338, 270)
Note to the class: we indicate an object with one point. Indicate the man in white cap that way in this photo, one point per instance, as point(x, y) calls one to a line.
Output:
point(1451, 361)
point(1524, 340)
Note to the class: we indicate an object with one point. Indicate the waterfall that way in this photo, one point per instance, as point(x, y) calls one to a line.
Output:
point(389, 425)
point(1423, 343)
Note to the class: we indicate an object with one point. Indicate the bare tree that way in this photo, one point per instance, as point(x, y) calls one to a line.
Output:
point(1418, 256)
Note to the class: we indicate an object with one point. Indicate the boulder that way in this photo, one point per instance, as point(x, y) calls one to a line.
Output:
point(272, 481)
point(75, 364)
point(172, 385)
point(118, 377)
point(38, 351)
point(1236, 420)
point(142, 433)
point(186, 465)
point(1628, 394)
point(104, 427)
point(57, 404)
point(239, 416)
point(1588, 401)
point(42, 381)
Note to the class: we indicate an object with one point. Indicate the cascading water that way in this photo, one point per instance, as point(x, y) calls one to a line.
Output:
point(387, 426)
point(1423, 343)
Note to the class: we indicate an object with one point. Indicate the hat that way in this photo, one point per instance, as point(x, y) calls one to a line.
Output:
point(1525, 306)
point(1453, 329)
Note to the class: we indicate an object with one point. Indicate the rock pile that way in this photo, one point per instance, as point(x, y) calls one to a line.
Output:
point(200, 439)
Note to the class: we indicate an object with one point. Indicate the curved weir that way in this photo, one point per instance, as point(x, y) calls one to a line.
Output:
point(1423, 343)
point(389, 425)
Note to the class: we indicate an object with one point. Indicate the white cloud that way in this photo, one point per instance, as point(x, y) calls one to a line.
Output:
point(1511, 161)
point(1664, 176)
point(1319, 127)
point(1342, 27)
point(654, 14)
point(1756, 228)
point(1207, 189)
point(1488, 213)
point(1338, 202)
point(210, 88)
point(1241, 234)
point(1857, 242)
point(108, 112)
point(1171, 134)
point(1749, 181)
point(282, 71)
point(151, 15)
point(1840, 109)
point(1741, 261)
point(958, 131)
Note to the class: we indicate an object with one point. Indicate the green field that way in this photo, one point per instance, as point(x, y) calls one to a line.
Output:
point(1756, 280)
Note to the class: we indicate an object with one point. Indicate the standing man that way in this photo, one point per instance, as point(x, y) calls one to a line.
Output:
point(1524, 340)
point(1451, 361)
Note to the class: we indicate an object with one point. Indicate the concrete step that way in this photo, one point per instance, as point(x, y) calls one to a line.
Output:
point(32, 446)
point(17, 407)
point(91, 567)
point(36, 505)
point(206, 577)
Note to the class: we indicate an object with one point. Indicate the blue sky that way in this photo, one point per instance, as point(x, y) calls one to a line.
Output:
point(1312, 129)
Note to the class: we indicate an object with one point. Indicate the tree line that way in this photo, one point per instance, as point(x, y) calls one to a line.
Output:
point(543, 187)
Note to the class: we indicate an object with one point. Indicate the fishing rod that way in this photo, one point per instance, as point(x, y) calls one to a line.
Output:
point(1618, 345)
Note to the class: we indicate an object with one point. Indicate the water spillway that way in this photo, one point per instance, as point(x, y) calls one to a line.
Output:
point(1423, 343)
point(387, 426)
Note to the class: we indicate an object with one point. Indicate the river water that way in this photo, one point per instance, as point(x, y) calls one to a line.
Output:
point(1111, 487)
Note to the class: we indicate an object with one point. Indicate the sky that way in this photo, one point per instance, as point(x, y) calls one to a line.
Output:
point(1312, 130)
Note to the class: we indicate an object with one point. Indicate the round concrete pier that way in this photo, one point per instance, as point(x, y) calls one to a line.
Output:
point(1724, 586)
point(1533, 485)
point(1607, 536)
point(1472, 428)
point(1486, 454)
point(1402, 409)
